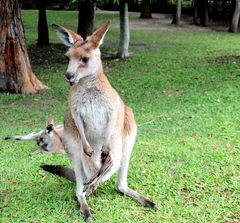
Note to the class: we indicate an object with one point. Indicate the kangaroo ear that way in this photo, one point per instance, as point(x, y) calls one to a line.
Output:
point(68, 37)
point(50, 123)
point(97, 37)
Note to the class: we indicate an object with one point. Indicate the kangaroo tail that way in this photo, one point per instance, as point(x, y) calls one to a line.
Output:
point(60, 170)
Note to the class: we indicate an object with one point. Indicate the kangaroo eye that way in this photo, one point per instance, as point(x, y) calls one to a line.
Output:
point(85, 59)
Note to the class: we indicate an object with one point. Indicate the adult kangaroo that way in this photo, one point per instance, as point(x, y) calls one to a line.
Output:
point(99, 130)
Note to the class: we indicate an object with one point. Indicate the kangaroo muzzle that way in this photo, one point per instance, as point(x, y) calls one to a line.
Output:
point(70, 77)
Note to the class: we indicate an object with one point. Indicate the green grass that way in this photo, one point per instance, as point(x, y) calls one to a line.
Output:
point(184, 89)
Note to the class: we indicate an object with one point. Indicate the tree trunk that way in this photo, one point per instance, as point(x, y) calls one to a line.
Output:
point(124, 30)
point(43, 37)
point(196, 18)
point(204, 13)
point(235, 18)
point(177, 17)
point(225, 9)
point(146, 10)
point(15, 70)
point(86, 17)
point(215, 10)
point(200, 12)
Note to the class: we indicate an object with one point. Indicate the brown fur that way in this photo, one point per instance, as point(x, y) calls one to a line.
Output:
point(128, 120)
point(70, 125)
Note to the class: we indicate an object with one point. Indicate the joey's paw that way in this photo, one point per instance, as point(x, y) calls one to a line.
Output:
point(88, 151)
point(86, 213)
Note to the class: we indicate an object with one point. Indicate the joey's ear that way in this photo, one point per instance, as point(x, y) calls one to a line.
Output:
point(68, 37)
point(50, 124)
point(97, 37)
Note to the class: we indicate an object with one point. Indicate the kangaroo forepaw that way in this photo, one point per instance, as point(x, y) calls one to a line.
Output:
point(88, 151)
point(85, 211)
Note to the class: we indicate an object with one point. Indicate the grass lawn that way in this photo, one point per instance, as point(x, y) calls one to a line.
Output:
point(184, 88)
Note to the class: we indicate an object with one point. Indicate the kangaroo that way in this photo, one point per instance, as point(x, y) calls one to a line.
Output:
point(49, 139)
point(99, 129)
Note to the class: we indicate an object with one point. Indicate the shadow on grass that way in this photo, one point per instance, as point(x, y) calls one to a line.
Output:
point(227, 59)
point(51, 57)
point(47, 58)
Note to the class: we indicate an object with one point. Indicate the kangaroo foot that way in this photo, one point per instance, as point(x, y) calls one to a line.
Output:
point(86, 213)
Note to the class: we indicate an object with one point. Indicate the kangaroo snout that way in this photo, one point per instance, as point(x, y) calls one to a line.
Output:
point(70, 77)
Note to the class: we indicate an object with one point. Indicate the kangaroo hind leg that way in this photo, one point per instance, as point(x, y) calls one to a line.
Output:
point(122, 185)
point(80, 178)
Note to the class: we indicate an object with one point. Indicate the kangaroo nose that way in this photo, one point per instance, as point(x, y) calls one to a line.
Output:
point(69, 76)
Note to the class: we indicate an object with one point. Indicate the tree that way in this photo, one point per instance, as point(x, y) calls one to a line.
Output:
point(177, 16)
point(43, 36)
point(86, 17)
point(196, 19)
point(204, 13)
point(124, 29)
point(200, 12)
point(16, 75)
point(235, 18)
point(145, 10)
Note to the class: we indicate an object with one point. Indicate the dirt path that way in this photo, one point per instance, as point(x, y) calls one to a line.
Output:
point(163, 21)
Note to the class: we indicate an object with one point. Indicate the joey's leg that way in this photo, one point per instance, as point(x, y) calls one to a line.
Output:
point(122, 185)
point(84, 208)
point(79, 123)
point(93, 183)
point(25, 137)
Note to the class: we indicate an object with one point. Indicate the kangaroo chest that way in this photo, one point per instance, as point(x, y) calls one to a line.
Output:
point(92, 108)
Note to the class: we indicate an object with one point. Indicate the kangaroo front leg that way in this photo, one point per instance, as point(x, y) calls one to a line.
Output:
point(93, 183)
point(112, 118)
point(79, 123)
point(84, 208)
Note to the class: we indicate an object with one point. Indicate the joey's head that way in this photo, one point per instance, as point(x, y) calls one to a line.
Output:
point(83, 55)
point(50, 140)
